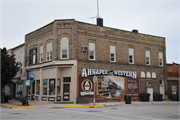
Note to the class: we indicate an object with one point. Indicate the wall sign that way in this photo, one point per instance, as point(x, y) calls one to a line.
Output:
point(91, 72)
point(86, 87)
point(133, 87)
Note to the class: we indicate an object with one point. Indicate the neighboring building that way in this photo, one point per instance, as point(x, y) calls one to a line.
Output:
point(15, 90)
point(65, 54)
point(172, 78)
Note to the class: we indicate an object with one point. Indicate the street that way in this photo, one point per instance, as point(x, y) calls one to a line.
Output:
point(142, 112)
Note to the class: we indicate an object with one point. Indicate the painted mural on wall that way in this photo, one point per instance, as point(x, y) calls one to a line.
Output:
point(111, 86)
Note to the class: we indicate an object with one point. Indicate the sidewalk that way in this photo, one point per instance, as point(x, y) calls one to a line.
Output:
point(48, 105)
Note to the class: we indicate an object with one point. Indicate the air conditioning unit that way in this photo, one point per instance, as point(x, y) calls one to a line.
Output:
point(84, 48)
point(27, 57)
point(148, 83)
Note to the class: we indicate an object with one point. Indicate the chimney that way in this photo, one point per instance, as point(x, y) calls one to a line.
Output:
point(135, 31)
point(100, 22)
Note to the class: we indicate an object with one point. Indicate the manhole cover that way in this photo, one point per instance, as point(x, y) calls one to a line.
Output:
point(113, 108)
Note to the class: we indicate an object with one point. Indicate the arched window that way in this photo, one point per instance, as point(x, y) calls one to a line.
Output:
point(64, 48)
point(142, 74)
point(153, 75)
point(148, 75)
point(49, 51)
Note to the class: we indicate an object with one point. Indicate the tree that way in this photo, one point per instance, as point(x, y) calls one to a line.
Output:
point(9, 68)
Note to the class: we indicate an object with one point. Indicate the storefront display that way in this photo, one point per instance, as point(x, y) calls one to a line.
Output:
point(37, 87)
point(45, 85)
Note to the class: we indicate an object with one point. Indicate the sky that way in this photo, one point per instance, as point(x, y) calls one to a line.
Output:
point(153, 17)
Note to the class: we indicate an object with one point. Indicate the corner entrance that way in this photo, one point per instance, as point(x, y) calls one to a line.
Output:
point(66, 92)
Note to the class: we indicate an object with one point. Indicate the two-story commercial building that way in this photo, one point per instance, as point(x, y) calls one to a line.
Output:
point(65, 55)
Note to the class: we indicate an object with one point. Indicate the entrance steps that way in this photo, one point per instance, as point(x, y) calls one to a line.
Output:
point(63, 102)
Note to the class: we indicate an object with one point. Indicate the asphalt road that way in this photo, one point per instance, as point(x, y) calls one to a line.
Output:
point(143, 112)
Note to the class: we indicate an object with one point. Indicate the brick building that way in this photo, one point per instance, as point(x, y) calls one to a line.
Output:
point(65, 54)
point(172, 79)
point(15, 90)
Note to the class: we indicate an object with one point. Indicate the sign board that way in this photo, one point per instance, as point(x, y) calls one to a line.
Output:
point(31, 76)
point(86, 87)
point(18, 74)
point(23, 78)
point(91, 72)
point(27, 82)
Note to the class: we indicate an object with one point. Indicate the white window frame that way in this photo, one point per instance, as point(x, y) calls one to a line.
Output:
point(131, 55)
point(67, 54)
point(48, 54)
point(61, 49)
point(113, 52)
point(161, 58)
point(92, 51)
point(41, 55)
point(148, 57)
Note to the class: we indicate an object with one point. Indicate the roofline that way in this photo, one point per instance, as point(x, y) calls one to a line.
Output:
point(48, 24)
point(17, 46)
point(89, 24)
point(39, 28)
point(172, 64)
point(121, 30)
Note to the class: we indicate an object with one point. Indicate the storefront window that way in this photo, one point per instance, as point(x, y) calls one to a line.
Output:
point(45, 85)
point(19, 89)
point(29, 89)
point(37, 87)
point(33, 87)
point(52, 87)
point(58, 86)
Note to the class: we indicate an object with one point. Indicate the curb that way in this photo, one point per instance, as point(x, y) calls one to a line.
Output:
point(96, 106)
point(18, 107)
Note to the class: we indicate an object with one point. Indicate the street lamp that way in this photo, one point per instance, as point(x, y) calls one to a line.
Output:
point(26, 103)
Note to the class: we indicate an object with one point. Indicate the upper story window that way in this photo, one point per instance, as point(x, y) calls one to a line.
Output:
point(113, 53)
point(49, 51)
point(147, 57)
point(64, 48)
point(33, 56)
point(160, 59)
point(91, 51)
point(41, 54)
point(131, 56)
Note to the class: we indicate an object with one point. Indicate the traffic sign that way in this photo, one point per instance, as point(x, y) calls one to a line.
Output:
point(27, 82)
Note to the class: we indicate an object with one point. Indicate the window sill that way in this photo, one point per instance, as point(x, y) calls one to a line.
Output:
point(92, 60)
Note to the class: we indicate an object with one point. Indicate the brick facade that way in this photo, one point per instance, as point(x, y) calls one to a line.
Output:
point(103, 37)
point(172, 79)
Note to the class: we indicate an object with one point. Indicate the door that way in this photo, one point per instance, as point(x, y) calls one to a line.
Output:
point(14, 91)
point(66, 92)
point(150, 90)
point(161, 87)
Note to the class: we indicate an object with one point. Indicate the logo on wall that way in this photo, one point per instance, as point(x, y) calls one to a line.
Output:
point(86, 87)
